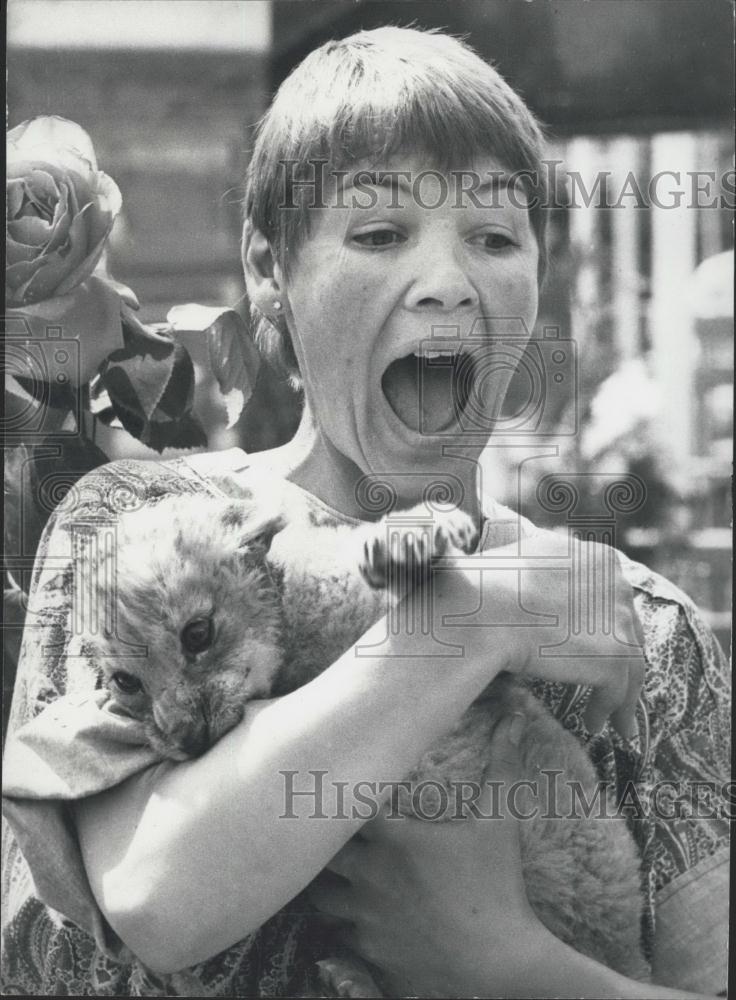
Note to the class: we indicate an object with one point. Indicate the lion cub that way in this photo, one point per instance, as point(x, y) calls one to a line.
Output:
point(219, 601)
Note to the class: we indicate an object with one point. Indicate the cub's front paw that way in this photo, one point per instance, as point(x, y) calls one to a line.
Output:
point(400, 550)
point(455, 534)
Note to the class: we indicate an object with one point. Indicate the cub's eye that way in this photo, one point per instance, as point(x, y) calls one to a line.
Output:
point(197, 635)
point(127, 683)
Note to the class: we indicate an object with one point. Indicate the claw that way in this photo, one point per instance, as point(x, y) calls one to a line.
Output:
point(398, 558)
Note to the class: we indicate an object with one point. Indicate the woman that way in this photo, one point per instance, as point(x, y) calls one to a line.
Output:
point(395, 192)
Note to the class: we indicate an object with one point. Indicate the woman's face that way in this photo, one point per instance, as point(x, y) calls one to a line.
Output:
point(406, 267)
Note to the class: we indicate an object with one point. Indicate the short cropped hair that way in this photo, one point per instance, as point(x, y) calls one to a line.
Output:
point(366, 98)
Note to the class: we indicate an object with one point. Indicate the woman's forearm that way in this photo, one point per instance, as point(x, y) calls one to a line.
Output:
point(537, 964)
point(557, 970)
point(189, 858)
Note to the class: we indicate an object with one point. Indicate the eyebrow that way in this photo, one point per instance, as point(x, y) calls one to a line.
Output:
point(393, 179)
point(374, 177)
point(500, 179)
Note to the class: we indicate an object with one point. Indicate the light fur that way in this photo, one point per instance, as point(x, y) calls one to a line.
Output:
point(288, 595)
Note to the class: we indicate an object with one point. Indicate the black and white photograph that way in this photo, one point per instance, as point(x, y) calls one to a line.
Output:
point(368, 438)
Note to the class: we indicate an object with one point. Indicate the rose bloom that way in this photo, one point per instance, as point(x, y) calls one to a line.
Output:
point(60, 211)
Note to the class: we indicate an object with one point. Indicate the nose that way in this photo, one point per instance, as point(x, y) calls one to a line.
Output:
point(195, 740)
point(441, 284)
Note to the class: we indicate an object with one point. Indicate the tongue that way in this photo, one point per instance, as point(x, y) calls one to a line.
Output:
point(420, 392)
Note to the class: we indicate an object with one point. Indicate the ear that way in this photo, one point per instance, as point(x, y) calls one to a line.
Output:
point(259, 532)
point(263, 275)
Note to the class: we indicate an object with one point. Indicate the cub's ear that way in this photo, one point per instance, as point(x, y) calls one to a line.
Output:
point(258, 532)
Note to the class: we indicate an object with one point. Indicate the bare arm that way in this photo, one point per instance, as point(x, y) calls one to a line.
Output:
point(442, 909)
point(557, 970)
point(208, 837)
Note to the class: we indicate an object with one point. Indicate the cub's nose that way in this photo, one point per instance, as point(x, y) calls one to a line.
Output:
point(195, 741)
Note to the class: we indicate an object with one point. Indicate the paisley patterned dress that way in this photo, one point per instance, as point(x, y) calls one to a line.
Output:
point(55, 939)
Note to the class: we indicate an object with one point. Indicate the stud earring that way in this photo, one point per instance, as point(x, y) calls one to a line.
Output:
point(277, 305)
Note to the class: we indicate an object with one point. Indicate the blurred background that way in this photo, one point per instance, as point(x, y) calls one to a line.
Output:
point(641, 295)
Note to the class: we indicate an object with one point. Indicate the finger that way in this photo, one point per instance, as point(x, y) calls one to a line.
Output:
point(505, 760)
point(344, 977)
point(504, 749)
point(506, 767)
point(626, 614)
point(624, 719)
point(638, 628)
point(606, 700)
point(617, 697)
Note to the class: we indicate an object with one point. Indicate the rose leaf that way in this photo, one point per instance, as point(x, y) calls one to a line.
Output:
point(163, 419)
point(186, 432)
point(22, 411)
point(37, 480)
point(100, 404)
point(62, 397)
point(155, 338)
point(16, 498)
point(178, 395)
point(193, 318)
point(137, 375)
point(123, 398)
point(233, 355)
point(234, 403)
point(14, 614)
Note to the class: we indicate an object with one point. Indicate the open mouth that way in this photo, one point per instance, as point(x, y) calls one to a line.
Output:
point(428, 391)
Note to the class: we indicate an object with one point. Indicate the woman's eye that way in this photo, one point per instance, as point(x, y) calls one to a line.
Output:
point(379, 238)
point(495, 241)
point(127, 683)
point(197, 635)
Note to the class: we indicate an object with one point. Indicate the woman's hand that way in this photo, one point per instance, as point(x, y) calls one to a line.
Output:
point(440, 907)
point(564, 612)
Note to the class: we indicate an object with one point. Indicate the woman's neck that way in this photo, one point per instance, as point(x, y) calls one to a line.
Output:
point(312, 462)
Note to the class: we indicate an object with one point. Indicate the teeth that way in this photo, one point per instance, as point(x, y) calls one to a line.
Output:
point(434, 354)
